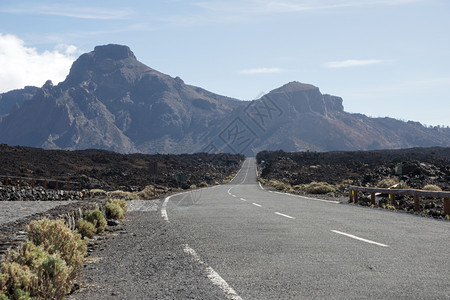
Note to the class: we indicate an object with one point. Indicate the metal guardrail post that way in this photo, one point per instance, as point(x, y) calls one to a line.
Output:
point(416, 203)
point(372, 197)
point(447, 206)
point(392, 198)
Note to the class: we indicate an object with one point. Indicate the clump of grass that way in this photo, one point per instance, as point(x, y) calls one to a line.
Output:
point(319, 188)
point(202, 184)
point(432, 187)
point(97, 193)
point(119, 194)
point(389, 207)
point(115, 209)
point(278, 185)
point(387, 182)
point(193, 187)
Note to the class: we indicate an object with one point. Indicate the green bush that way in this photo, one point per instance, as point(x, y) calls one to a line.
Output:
point(33, 272)
point(54, 276)
point(432, 187)
point(86, 228)
point(45, 266)
point(115, 209)
point(319, 188)
point(56, 238)
point(97, 218)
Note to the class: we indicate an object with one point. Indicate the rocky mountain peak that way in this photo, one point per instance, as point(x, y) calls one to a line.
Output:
point(295, 86)
point(113, 51)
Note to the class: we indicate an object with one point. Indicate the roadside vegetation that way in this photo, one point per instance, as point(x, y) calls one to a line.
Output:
point(46, 265)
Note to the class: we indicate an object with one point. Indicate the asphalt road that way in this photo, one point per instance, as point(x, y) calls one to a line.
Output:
point(256, 244)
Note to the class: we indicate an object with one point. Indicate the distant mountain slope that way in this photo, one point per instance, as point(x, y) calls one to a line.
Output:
point(111, 101)
point(15, 98)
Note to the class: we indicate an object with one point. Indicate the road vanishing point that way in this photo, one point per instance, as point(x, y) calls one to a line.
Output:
point(256, 244)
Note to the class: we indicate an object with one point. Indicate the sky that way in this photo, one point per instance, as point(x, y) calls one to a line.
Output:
point(383, 57)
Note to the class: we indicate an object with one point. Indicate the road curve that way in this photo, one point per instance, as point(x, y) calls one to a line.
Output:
point(267, 245)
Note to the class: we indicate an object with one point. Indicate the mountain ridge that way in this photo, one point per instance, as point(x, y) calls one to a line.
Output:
point(110, 100)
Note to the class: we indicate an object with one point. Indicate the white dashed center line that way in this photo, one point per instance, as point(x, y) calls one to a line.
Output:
point(243, 199)
point(359, 239)
point(283, 215)
point(256, 204)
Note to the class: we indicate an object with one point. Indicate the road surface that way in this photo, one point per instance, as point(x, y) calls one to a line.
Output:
point(256, 244)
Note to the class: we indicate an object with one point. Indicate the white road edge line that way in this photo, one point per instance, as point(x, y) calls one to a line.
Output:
point(283, 215)
point(359, 239)
point(256, 204)
point(260, 185)
point(215, 278)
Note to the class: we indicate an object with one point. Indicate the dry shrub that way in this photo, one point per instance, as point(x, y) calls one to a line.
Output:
point(97, 218)
point(56, 238)
point(33, 272)
point(86, 229)
point(123, 195)
point(115, 209)
point(277, 184)
point(319, 188)
point(97, 193)
point(387, 182)
point(202, 184)
point(432, 187)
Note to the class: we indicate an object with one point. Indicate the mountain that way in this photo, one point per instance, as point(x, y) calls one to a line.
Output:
point(111, 101)
point(14, 99)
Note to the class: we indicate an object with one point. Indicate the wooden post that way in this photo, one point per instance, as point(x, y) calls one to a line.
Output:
point(392, 198)
point(68, 186)
point(355, 197)
point(56, 185)
point(372, 197)
point(79, 187)
point(45, 184)
point(20, 181)
point(350, 195)
point(447, 206)
point(7, 179)
point(32, 183)
point(416, 203)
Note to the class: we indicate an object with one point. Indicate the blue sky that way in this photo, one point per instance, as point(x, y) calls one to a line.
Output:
point(383, 57)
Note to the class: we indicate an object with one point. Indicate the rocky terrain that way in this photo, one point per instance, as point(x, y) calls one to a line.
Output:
point(420, 167)
point(111, 101)
point(100, 169)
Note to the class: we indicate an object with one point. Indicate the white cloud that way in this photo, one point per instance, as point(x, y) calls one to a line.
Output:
point(352, 63)
point(22, 65)
point(261, 71)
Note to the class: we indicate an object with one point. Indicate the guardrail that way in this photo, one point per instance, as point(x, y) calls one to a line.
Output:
point(20, 181)
point(353, 191)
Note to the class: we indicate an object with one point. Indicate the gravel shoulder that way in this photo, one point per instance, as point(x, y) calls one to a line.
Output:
point(143, 258)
